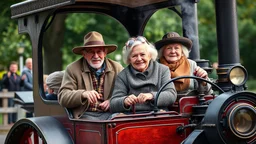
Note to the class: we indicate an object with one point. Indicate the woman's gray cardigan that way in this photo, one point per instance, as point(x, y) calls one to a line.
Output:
point(129, 81)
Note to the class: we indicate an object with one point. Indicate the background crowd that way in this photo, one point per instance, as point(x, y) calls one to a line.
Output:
point(14, 80)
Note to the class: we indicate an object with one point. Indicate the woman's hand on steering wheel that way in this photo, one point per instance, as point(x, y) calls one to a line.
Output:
point(143, 97)
point(199, 72)
point(130, 100)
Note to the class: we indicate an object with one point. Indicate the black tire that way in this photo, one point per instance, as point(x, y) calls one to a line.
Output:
point(46, 130)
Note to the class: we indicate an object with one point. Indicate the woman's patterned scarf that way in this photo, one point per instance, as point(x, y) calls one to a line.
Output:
point(179, 68)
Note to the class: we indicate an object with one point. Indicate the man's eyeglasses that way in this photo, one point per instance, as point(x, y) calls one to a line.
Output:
point(92, 52)
point(131, 41)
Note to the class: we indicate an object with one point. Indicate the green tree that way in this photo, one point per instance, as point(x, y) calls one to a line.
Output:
point(77, 25)
point(53, 41)
point(247, 32)
point(9, 38)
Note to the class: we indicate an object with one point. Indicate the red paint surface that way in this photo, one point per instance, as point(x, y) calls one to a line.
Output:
point(158, 131)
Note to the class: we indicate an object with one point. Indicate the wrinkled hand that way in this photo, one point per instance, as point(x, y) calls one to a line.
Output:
point(105, 105)
point(143, 97)
point(92, 96)
point(130, 100)
point(199, 72)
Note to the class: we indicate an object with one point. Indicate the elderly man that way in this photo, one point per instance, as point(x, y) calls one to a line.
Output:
point(28, 82)
point(88, 83)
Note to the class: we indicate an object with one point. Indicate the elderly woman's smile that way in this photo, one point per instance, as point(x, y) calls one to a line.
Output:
point(139, 58)
point(136, 86)
point(172, 52)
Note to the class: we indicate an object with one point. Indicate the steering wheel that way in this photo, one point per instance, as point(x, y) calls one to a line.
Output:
point(183, 77)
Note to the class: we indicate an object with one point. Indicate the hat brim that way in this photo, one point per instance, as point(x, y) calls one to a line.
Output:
point(78, 50)
point(184, 41)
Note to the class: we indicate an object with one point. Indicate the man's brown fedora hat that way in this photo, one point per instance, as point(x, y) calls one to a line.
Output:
point(93, 40)
point(173, 37)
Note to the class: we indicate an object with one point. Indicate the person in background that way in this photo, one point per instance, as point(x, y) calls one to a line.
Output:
point(53, 82)
point(45, 85)
point(173, 51)
point(28, 82)
point(13, 82)
point(136, 86)
point(88, 82)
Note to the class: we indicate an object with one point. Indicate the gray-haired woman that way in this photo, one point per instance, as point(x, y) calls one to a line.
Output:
point(139, 82)
point(173, 52)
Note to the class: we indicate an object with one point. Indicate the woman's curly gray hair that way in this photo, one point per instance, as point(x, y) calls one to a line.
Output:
point(127, 51)
point(184, 50)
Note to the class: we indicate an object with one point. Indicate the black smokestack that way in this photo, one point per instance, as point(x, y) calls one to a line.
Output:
point(227, 32)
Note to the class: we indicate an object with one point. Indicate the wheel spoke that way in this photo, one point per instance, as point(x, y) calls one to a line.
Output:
point(36, 138)
point(31, 136)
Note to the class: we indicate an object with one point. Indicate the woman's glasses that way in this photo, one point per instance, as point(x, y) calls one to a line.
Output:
point(131, 41)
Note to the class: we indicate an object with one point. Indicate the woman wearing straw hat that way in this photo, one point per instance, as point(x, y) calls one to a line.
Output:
point(173, 51)
point(88, 83)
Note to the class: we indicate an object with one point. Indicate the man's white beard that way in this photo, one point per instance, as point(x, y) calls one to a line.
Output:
point(96, 66)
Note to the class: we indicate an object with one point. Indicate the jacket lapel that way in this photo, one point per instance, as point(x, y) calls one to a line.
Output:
point(86, 76)
point(109, 77)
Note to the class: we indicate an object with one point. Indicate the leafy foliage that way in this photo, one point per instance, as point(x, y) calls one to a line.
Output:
point(163, 21)
point(247, 33)
point(80, 24)
point(156, 27)
point(10, 42)
point(9, 38)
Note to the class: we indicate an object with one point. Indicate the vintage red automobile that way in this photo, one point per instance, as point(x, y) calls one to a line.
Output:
point(227, 117)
